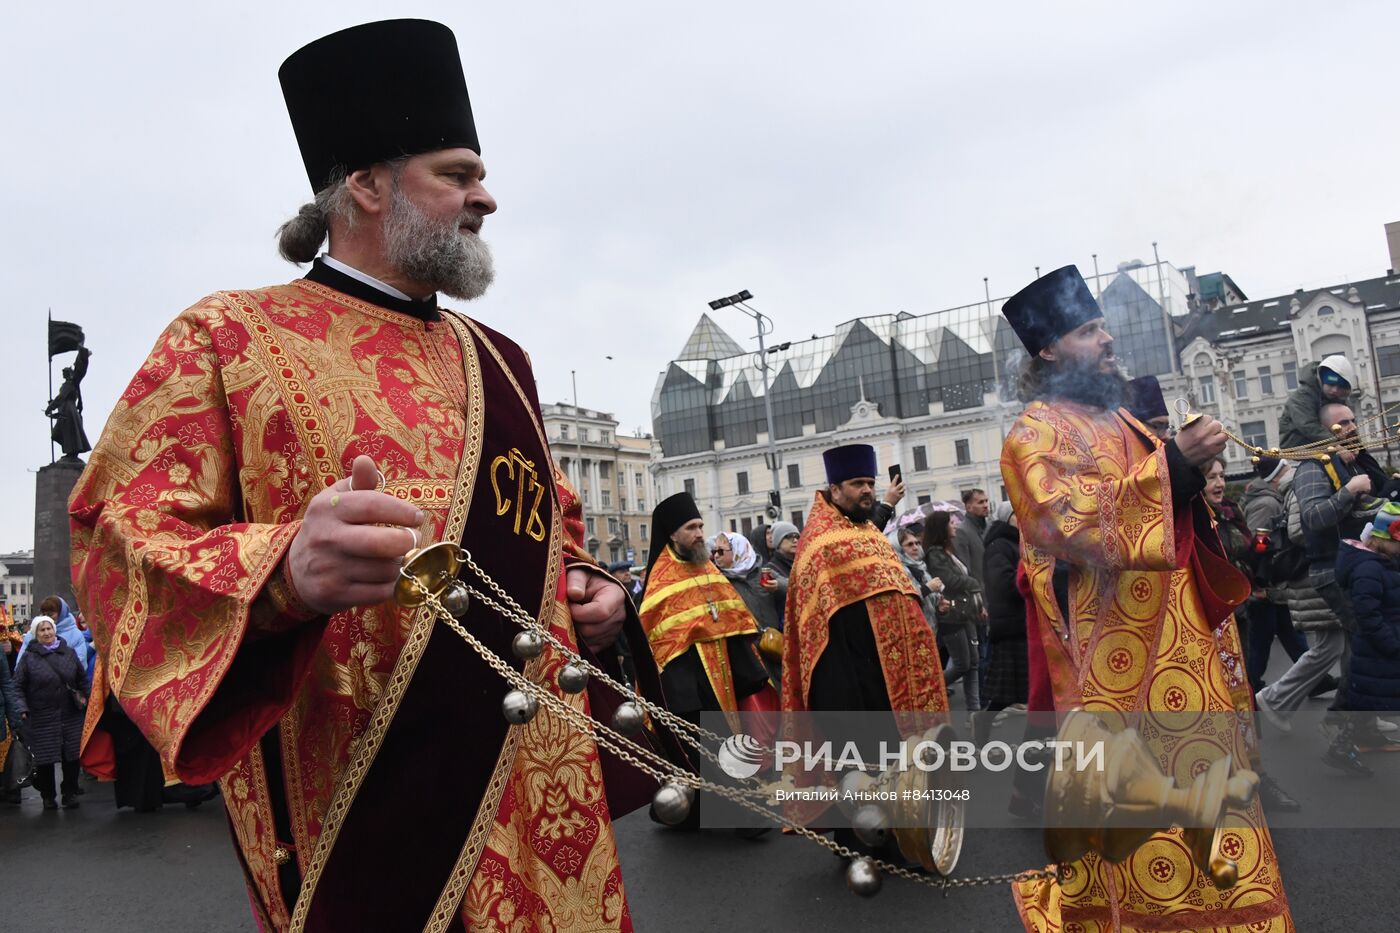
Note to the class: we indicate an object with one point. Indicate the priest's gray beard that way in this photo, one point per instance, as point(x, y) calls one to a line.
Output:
point(453, 262)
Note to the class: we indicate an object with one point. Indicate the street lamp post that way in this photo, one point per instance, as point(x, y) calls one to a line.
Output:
point(764, 325)
point(578, 439)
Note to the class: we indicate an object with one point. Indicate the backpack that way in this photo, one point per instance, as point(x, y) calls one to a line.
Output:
point(1286, 559)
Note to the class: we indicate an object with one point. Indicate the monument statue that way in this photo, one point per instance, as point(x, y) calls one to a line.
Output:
point(66, 409)
point(53, 575)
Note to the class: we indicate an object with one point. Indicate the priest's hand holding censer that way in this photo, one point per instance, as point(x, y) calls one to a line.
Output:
point(352, 543)
point(1201, 438)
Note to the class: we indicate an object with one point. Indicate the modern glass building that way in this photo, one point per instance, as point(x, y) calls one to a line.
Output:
point(919, 374)
point(910, 365)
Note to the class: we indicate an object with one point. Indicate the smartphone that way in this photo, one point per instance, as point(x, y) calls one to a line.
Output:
point(894, 472)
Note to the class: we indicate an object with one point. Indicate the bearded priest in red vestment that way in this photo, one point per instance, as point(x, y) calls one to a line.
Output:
point(856, 637)
point(240, 526)
point(1130, 611)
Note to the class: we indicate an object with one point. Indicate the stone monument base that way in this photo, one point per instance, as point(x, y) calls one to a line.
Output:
point(53, 575)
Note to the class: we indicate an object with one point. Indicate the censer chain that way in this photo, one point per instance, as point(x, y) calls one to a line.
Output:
point(518, 615)
point(629, 752)
point(1316, 449)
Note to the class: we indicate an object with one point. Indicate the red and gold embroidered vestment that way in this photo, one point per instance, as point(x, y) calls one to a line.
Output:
point(370, 779)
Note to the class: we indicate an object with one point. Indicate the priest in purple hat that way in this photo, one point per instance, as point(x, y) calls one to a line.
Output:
point(856, 637)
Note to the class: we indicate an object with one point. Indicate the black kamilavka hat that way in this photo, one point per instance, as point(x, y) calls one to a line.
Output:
point(1145, 399)
point(666, 519)
point(374, 92)
point(1050, 307)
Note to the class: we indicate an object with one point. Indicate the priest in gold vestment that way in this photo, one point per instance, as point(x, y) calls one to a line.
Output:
point(241, 523)
point(1132, 600)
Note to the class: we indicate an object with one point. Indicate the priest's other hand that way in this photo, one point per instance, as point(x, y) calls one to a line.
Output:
point(598, 606)
point(351, 543)
point(1202, 441)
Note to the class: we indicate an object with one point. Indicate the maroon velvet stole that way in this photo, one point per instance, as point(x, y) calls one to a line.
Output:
point(406, 827)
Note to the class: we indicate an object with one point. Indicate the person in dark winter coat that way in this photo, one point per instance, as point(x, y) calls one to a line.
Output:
point(958, 625)
point(735, 557)
point(911, 555)
point(1366, 570)
point(779, 565)
point(9, 707)
point(761, 537)
point(1331, 380)
point(1009, 676)
point(1235, 536)
point(9, 728)
point(51, 686)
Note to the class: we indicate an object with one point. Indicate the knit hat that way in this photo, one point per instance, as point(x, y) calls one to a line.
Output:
point(782, 530)
point(1384, 524)
point(1268, 468)
point(1336, 370)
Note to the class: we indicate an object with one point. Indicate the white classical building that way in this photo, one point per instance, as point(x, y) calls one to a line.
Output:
point(1242, 361)
point(17, 584)
point(610, 472)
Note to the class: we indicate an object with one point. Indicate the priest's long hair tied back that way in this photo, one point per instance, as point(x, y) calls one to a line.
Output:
point(300, 239)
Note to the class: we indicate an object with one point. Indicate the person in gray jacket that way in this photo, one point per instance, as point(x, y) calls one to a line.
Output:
point(1330, 497)
point(1263, 504)
point(969, 546)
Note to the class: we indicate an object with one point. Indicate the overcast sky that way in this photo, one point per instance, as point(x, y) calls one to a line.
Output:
point(834, 159)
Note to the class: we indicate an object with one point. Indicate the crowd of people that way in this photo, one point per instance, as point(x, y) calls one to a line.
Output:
point(1017, 620)
point(46, 676)
point(1301, 532)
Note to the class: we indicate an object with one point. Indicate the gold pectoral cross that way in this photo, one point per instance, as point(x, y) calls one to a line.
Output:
point(526, 481)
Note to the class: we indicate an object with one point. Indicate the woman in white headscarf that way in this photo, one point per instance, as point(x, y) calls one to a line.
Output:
point(734, 555)
point(51, 688)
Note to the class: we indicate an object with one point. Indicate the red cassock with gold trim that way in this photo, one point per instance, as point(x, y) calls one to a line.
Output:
point(370, 779)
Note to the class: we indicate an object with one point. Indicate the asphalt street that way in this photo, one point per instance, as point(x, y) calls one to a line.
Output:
point(96, 868)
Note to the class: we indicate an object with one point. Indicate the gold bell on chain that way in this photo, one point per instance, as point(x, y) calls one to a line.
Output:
point(428, 571)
